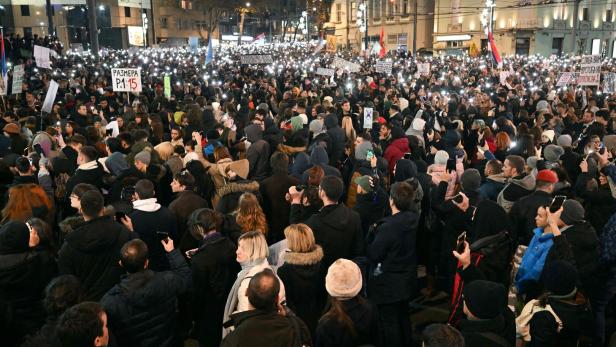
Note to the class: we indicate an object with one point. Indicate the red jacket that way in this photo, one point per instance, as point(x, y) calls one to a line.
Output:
point(395, 151)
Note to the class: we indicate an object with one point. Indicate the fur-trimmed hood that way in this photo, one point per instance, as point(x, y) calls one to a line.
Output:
point(241, 186)
point(307, 258)
point(286, 149)
point(71, 224)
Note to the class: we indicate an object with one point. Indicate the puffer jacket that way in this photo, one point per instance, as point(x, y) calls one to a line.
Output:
point(517, 188)
point(395, 151)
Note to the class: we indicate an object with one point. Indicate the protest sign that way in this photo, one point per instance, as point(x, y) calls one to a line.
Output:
point(503, 77)
point(50, 97)
point(325, 71)
point(167, 86)
point(368, 112)
point(609, 83)
point(423, 68)
point(18, 77)
point(345, 64)
point(126, 80)
point(590, 71)
point(41, 56)
point(564, 79)
point(383, 66)
point(256, 59)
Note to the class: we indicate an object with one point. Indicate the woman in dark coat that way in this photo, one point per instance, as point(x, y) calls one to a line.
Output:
point(302, 276)
point(24, 274)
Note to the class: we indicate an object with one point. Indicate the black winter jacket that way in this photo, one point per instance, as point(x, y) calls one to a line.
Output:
point(523, 215)
point(266, 328)
point(330, 333)
point(484, 332)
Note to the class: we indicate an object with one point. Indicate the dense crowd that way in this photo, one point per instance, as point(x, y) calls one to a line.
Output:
point(268, 205)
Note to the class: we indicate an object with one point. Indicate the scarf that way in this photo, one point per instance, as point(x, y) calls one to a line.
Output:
point(146, 205)
point(233, 299)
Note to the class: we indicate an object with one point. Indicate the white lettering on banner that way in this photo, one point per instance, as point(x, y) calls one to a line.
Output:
point(368, 119)
point(325, 71)
point(256, 59)
point(423, 68)
point(609, 83)
point(345, 64)
point(590, 71)
point(18, 77)
point(384, 66)
point(564, 79)
point(41, 56)
point(126, 80)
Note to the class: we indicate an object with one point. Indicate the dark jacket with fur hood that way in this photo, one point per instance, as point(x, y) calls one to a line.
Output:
point(230, 194)
point(302, 277)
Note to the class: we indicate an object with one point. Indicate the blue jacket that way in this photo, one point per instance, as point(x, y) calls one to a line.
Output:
point(534, 259)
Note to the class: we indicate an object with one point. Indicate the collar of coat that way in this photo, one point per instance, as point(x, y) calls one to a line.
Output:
point(146, 205)
point(242, 186)
point(306, 258)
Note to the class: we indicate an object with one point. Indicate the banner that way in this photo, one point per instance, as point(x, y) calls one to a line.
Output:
point(256, 59)
point(325, 71)
point(135, 35)
point(167, 88)
point(50, 97)
point(565, 78)
point(331, 43)
point(18, 77)
point(368, 112)
point(41, 56)
point(126, 80)
point(423, 68)
point(193, 42)
point(346, 65)
point(141, 4)
point(609, 83)
point(590, 71)
point(384, 66)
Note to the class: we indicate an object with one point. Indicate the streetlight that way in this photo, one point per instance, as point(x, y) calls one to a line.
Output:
point(247, 4)
point(362, 21)
point(303, 23)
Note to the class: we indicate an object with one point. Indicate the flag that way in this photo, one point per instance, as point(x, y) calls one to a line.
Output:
point(3, 69)
point(495, 55)
point(258, 37)
point(382, 43)
point(210, 52)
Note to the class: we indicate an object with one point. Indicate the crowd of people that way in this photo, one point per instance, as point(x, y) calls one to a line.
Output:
point(268, 205)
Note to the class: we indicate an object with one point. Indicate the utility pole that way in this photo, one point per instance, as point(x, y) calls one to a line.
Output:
point(92, 27)
point(576, 9)
point(366, 37)
point(50, 29)
point(415, 27)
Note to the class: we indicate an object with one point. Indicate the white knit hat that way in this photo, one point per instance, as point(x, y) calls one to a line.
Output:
point(343, 280)
point(441, 158)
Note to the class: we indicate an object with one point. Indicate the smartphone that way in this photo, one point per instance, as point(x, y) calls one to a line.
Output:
point(369, 155)
point(460, 246)
point(557, 203)
point(119, 216)
point(38, 149)
point(451, 165)
point(458, 198)
point(162, 235)
point(602, 149)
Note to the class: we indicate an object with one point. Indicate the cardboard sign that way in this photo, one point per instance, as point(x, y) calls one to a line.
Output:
point(609, 83)
point(167, 88)
point(41, 57)
point(256, 59)
point(590, 71)
point(331, 43)
point(126, 80)
point(564, 79)
point(18, 77)
point(368, 119)
point(384, 66)
point(346, 65)
point(423, 68)
point(325, 71)
point(50, 97)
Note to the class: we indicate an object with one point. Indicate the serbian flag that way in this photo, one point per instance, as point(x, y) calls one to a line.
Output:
point(495, 54)
point(3, 69)
point(382, 43)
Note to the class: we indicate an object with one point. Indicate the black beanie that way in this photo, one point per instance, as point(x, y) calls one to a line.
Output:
point(485, 299)
point(14, 238)
point(560, 278)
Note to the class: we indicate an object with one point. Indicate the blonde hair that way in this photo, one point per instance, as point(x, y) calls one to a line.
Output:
point(254, 245)
point(299, 238)
point(164, 150)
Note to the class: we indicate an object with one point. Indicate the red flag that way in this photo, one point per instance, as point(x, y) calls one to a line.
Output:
point(382, 43)
point(497, 56)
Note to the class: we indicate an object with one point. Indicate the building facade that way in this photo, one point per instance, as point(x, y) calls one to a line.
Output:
point(527, 27)
point(394, 16)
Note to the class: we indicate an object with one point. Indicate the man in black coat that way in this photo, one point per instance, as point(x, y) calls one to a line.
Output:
point(336, 227)
point(88, 171)
point(273, 189)
point(91, 252)
point(151, 221)
point(337, 139)
point(265, 324)
point(392, 252)
point(258, 153)
point(186, 202)
point(141, 307)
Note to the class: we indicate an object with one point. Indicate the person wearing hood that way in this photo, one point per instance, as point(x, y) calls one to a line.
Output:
point(258, 153)
point(494, 182)
point(338, 139)
point(88, 171)
point(371, 201)
point(396, 148)
point(406, 171)
point(519, 182)
point(237, 183)
point(141, 308)
point(570, 159)
point(319, 157)
point(92, 251)
point(24, 273)
point(361, 167)
point(319, 136)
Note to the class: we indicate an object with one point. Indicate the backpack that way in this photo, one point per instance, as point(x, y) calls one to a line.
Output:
point(607, 242)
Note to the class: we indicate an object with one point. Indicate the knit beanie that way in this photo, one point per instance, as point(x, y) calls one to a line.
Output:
point(484, 299)
point(343, 280)
point(564, 140)
point(560, 277)
point(364, 183)
point(144, 157)
point(542, 105)
point(553, 153)
point(470, 180)
point(361, 151)
point(14, 238)
point(316, 127)
point(573, 212)
point(549, 134)
point(397, 133)
point(441, 158)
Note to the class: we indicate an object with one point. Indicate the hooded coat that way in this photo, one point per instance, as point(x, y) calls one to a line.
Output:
point(319, 157)
point(91, 253)
point(492, 187)
point(337, 137)
point(517, 188)
point(258, 153)
point(395, 151)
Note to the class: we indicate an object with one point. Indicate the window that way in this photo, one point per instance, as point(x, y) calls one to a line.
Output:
point(614, 49)
point(353, 11)
point(405, 8)
point(164, 23)
point(126, 11)
point(402, 39)
point(390, 8)
point(392, 39)
point(608, 15)
point(522, 46)
point(557, 45)
point(585, 14)
point(376, 10)
point(455, 44)
point(338, 13)
point(186, 4)
point(25, 10)
point(596, 47)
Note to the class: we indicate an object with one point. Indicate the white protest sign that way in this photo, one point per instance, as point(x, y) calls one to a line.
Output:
point(609, 83)
point(590, 71)
point(126, 80)
point(41, 56)
point(384, 66)
point(256, 59)
point(368, 112)
point(115, 128)
point(503, 77)
point(18, 77)
point(345, 64)
point(50, 97)
point(325, 71)
point(564, 79)
point(423, 68)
